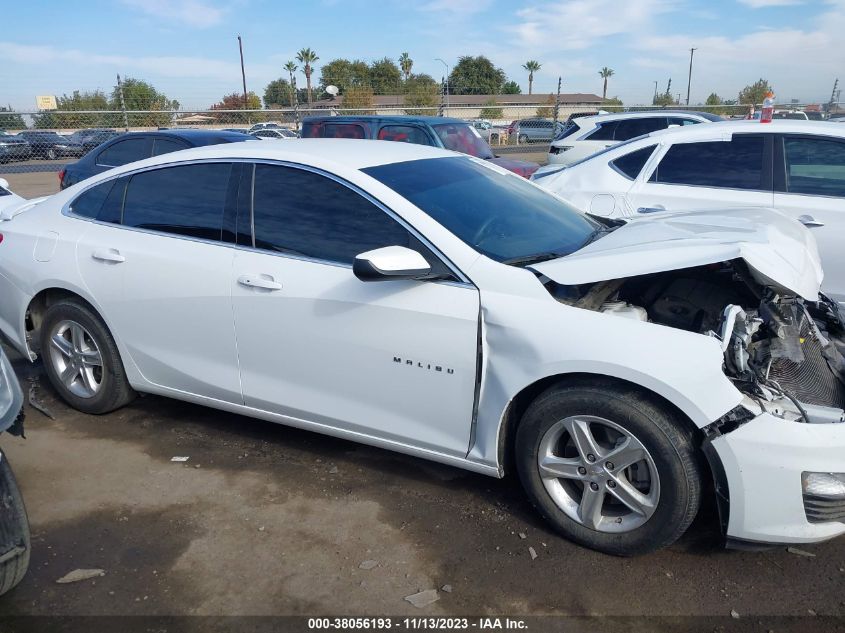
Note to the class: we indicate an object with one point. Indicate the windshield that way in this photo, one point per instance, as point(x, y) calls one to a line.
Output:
point(502, 216)
point(463, 138)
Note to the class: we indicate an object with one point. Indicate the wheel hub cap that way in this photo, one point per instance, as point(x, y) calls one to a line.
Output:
point(76, 359)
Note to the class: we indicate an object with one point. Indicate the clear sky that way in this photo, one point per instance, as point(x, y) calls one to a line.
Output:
point(188, 48)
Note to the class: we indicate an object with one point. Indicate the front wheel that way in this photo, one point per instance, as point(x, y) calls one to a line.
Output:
point(14, 530)
point(51, 154)
point(609, 468)
point(522, 139)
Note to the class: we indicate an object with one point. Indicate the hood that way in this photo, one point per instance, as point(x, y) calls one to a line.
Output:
point(522, 167)
point(779, 251)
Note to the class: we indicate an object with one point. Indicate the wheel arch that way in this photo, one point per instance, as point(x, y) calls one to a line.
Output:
point(38, 305)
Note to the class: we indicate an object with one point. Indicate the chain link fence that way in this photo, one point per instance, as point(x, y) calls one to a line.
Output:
point(46, 141)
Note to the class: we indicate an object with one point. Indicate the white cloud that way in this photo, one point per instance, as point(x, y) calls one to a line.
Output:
point(459, 7)
point(199, 14)
point(761, 4)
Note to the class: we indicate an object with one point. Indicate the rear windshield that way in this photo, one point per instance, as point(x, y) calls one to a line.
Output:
point(463, 138)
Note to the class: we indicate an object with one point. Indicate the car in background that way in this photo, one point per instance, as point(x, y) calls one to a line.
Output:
point(421, 301)
point(587, 135)
point(45, 144)
point(794, 115)
point(241, 130)
point(134, 146)
point(274, 133)
point(15, 542)
point(95, 140)
point(796, 167)
point(452, 134)
point(77, 139)
point(267, 125)
point(14, 148)
point(534, 130)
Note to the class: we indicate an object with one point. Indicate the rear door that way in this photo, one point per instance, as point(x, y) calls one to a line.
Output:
point(810, 187)
point(124, 151)
point(707, 175)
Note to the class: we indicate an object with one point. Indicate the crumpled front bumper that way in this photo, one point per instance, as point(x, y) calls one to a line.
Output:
point(11, 398)
point(762, 462)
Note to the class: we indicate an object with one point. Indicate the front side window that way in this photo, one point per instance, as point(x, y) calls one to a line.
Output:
point(403, 134)
point(126, 151)
point(734, 164)
point(630, 165)
point(604, 132)
point(500, 215)
point(299, 212)
point(632, 128)
point(184, 200)
point(462, 138)
point(166, 145)
point(814, 166)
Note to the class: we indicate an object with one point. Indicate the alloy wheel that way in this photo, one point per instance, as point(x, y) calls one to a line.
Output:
point(76, 359)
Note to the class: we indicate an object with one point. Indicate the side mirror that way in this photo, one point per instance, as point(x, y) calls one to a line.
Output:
point(390, 262)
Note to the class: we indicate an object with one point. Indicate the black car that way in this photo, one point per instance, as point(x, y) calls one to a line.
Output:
point(49, 145)
point(98, 139)
point(132, 146)
point(76, 141)
point(13, 148)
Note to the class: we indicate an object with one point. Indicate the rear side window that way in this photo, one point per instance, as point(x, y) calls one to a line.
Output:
point(605, 132)
point(126, 151)
point(186, 200)
point(682, 121)
point(403, 134)
point(569, 130)
point(343, 130)
point(630, 165)
point(815, 166)
point(302, 213)
point(90, 201)
point(628, 129)
point(734, 164)
point(166, 145)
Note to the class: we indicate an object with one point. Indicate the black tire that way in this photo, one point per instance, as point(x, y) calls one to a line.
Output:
point(14, 530)
point(522, 139)
point(115, 390)
point(51, 154)
point(667, 439)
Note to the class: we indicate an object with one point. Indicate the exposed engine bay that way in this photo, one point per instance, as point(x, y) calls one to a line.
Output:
point(782, 352)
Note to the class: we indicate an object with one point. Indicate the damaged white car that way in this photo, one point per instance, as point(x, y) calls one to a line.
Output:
point(425, 302)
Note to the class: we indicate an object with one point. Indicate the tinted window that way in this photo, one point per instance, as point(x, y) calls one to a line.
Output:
point(186, 200)
point(569, 130)
point(126, 151)
point(403, 134)
point(632, 164)
point(682, 121)
point(463, 138)
point(89, 203)
point(343, 130)
point(815, 166)
point(303, 213)
point(737, 164)
point(166, 145)
point(501, 215)
point(628, 129)
point(604, 132)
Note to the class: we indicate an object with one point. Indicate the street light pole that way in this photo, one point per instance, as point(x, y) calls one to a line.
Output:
point(655, 91)
point(689, 77)
point(243, 73)
point(437, 59)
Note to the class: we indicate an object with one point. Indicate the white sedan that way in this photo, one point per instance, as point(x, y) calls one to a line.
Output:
point(796, 167)
point(426, 302)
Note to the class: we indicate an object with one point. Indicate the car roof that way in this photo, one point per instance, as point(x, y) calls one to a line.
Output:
point(399, 118)
point(787, 126)
point(643, 114)
point(316, 152)
point(192, 134)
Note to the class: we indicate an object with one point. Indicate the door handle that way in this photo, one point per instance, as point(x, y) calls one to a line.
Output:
point(655, 209)
point(809, 221)
point(111, 255)
point(259, 281)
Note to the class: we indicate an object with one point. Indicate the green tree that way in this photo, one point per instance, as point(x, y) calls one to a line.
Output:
point(277, 93)
point(306, 57)
point(140, 95)
point(385, 77)
point(406, 64)
point(754, 93)
point(10, 121)
point(532, 67)
point(713, 100)
point(605, 73)
point(422, 94)
point(66, 106)
point(291, 68)
point(235, 101)
point(611, 102)
point(547, 111)
point(476, 76)
point(511, 88)
point(490, 110)
point(665, 99)
point(344, 74)
point(358, 100)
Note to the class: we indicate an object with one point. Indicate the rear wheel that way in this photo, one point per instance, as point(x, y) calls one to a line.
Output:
point(608, 467)
point(82, 359)
point(14, 530)
point(522, 139)
point(51, 154)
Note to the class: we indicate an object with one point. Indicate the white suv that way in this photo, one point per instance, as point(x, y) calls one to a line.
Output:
point(585, 136)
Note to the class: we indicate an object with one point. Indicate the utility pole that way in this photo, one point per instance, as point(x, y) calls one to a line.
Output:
point(655, 91)
point(243, 73)
point(557, 99)
point(446, 81)
point(122, 104)
point(833, 93)
point(689, 77)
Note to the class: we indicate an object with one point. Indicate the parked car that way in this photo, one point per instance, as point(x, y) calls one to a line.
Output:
point(95, 140)
point(534, 130)
point(46, 144)
point(13, 148)
point(133, 146)
point(430, 303)
point(236, 129)
point(797, 167)
point(274, 133)
point(585, 136)
point(269, 125)
point(453, 134)
point(77, 139)
point(14, 524)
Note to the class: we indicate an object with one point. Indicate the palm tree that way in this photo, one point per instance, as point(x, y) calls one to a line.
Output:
point(532, 67)
point(307, 57)
point(604, 73)
point(406, 63)
point(291, 68)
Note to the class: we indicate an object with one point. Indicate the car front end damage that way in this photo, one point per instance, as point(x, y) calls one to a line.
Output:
point(778, 457)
